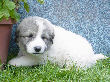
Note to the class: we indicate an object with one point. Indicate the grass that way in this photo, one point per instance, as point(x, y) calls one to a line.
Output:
point(49, 73)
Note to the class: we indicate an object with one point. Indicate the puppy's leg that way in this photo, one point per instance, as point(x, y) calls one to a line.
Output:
point(99, 56)
point(24, 61)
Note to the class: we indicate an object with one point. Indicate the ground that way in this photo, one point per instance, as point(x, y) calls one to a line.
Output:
point(48, 73)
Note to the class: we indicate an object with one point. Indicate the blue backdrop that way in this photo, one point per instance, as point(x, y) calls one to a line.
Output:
point(89, 18)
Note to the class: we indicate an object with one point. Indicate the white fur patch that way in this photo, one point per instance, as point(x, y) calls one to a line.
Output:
point(36, 42)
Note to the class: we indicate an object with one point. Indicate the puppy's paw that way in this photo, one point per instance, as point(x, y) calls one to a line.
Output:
point(22, 61)
point(18, 61)
point(13, 62)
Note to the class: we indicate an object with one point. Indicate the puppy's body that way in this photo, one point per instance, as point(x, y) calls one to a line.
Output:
point(57, 45)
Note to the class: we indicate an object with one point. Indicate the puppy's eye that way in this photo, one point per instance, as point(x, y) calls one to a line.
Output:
point(30, 36)
point(43, 37)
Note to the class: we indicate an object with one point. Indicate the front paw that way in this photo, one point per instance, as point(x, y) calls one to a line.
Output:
point(14, 62)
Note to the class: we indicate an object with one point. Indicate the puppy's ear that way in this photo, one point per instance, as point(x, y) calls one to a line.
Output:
point(52, 37)
point(50, 28)
point(16, 36)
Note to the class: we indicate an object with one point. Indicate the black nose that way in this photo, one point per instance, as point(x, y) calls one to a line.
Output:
point(37, 48)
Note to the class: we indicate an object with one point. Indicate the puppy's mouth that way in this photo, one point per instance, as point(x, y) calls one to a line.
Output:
point(37, 53)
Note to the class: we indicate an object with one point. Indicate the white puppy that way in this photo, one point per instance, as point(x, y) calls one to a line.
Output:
point(39, 41)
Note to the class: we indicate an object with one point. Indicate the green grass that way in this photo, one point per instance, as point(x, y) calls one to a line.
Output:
point(49, 73)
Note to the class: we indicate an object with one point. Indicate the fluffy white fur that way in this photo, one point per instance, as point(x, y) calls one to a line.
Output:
point(68, 48)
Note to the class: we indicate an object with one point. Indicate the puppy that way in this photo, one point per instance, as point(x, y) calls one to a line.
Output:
point(39, 41)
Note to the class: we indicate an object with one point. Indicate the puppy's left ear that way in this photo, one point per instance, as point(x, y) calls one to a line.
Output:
point(50, 28)
point(52, 37)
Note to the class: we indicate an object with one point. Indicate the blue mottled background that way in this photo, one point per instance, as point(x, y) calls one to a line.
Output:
point(89, 18)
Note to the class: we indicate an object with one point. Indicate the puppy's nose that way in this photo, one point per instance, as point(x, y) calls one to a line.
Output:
point(37, 48)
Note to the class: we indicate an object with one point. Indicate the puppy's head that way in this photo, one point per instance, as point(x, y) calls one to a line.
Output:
point(35, 35)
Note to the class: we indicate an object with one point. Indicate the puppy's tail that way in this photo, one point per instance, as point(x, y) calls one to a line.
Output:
point(99, 56)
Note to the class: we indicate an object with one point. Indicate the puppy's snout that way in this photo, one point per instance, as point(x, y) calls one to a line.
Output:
point(37, 48)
